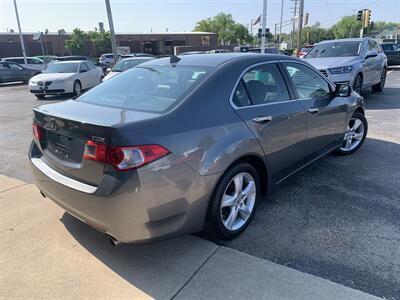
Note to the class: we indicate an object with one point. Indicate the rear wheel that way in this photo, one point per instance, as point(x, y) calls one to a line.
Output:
point(379, 86)
point(357, 85)
point(233, 203)
point(40, 96)
point(355, 134)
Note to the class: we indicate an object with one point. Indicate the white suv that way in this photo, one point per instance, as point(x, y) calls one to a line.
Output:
point(359, 62)
point(107, 59)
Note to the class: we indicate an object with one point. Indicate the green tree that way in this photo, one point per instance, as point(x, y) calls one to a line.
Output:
point(76, 43)
point(346, 27)
point(229, 32)
point(100, 41)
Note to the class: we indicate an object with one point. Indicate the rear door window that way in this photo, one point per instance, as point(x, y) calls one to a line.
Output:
point(151, 88)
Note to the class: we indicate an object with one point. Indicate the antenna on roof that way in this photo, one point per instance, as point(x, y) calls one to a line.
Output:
point(173, 59)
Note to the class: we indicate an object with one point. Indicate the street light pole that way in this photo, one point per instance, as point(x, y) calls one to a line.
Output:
point(111, 25)
point(20, 32)
point(264, 26)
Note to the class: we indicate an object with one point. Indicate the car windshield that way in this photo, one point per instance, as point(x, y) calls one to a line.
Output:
point(335, 49)
point(126, 64)
point(62, 68)
point(147, 88)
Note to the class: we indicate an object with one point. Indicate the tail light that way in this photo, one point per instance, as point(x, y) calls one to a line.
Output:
point(124, 158)
point(37, 132)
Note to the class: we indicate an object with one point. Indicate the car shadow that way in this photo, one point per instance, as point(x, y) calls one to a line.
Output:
point(8, 84)
point(375, 101)
point(159, 269)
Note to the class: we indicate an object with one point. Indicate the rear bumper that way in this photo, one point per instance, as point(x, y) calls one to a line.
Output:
point(163, 199)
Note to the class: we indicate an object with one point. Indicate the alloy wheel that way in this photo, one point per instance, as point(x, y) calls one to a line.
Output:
point(354, 135)
point(357, 86)
point(238, 201)
point(77, 89)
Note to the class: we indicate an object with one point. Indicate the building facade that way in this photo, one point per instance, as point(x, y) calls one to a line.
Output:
point(154, 43)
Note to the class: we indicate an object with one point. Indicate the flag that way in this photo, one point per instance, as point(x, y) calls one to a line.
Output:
point(258, 20)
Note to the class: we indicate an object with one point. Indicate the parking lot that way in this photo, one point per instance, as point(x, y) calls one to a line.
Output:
point(337, 219)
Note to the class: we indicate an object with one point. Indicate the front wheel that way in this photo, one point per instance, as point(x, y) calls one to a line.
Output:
point(355, 134)
point(233, 203)
point(357, 85)
point(77, 88)
point(40, 96)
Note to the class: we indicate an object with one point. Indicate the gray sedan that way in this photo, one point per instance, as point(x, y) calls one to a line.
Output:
point(183, 144)
point(13, 72)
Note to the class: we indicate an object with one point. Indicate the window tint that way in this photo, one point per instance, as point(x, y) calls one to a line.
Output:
point(240, 97)
point(307, 82)
point(34, 61)
point(14, 66)
point(147, 88)
point(83, 67)
point(387, 47)
point(264, 84)
point(3, 66)
point(16, 60)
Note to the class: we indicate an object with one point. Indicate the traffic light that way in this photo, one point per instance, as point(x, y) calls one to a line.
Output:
point(360, 15)
point(306, 19)
point(367, 17)
point(371, 25)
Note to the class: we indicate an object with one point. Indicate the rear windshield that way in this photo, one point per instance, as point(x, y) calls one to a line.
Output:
point(126, 64)
point(147, 88)
point(335, 49)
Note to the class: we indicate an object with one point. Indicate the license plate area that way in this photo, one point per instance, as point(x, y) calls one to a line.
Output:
point(65, 148)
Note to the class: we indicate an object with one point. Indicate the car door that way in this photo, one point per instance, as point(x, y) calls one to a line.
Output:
point(326, 114)
point(16, 72)
point(370, 64)
point(262, 100)
point(379, 62)
point(94, 74)
point(5, 72)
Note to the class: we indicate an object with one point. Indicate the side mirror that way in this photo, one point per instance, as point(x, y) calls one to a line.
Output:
point(82, 71)
point(343, 90)
point(371, 53)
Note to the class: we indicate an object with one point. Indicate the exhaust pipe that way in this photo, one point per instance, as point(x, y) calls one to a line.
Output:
point(114, 242)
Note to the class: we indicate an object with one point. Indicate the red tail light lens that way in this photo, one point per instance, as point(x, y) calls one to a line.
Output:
point(37, 132)
point(124, 158)
point(95, 151)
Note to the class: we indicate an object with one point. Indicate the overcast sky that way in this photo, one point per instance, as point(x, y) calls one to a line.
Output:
point(176, 15)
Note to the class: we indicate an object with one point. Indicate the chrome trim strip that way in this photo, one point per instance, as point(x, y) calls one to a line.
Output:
point(64, 180)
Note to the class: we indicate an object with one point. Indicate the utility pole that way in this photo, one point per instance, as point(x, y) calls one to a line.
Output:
point(111, 25)
point(301, 12)
point(280, 27)
point(264, 26)
point(275, 34)
point(20, 32)
point(294, 25)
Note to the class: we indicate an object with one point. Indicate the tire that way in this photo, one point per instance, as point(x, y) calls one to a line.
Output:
point(379, 86)
point(77, 90)
point(40, 96)
point(221, 223)
point(101, 79)
point(360, 131)
point(358, 82)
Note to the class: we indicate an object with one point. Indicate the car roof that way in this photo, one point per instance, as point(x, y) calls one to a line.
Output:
point(18, 57)
point(344, 40)
point(68, 61)
point(215, 60)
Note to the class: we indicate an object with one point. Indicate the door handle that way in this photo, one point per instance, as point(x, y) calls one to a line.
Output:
point(262, 119)
point(313, 110)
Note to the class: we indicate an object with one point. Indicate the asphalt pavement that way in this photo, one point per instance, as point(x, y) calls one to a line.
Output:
point(337, 219)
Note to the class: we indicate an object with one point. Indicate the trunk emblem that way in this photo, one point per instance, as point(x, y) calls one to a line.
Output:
point(98, 139)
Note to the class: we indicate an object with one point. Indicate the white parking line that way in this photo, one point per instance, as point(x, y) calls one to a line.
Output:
point(389, 72)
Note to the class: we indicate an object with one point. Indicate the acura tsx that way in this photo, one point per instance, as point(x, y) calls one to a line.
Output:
point(191, 143)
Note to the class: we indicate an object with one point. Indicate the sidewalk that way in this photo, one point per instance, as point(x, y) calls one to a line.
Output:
point(47, 254)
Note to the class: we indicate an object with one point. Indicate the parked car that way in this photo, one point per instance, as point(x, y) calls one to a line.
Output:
point(392, 52)
point(137, 55)
point(220, 51)
point(82, 57)
point(359, 62)
point(126, 64)
point(177, 145)
point(193, 52)
point(31, 62)
point(107, 59)
point(12, 72)
point(303, 51)
point(46, 58)
point(66, 77)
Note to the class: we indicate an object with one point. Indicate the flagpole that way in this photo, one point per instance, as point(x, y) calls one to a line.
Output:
point(251, 27)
